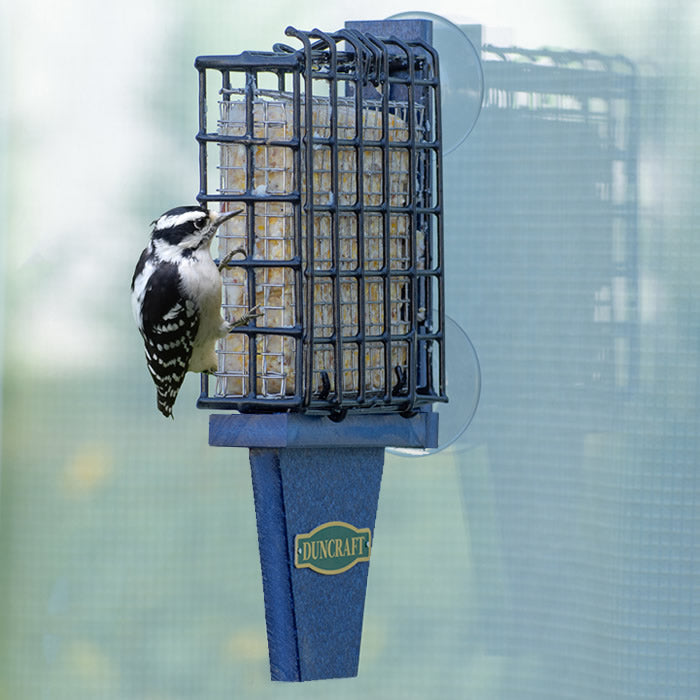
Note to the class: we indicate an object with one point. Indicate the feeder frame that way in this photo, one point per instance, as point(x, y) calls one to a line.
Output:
point(379, 71)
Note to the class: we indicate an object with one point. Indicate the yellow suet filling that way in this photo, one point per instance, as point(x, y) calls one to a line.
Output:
point(273, 173)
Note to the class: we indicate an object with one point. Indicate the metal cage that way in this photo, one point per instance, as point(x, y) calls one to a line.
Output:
point(333, 154)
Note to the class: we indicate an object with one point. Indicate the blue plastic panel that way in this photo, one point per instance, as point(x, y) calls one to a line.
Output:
point(314, 621)
point(296, 430)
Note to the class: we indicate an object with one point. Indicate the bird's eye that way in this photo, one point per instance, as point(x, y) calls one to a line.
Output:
point(199, 223)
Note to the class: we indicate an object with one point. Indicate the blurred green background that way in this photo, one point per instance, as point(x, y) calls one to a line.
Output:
point(558, 563)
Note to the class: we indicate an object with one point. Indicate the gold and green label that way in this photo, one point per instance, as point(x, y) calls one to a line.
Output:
point(332, 548)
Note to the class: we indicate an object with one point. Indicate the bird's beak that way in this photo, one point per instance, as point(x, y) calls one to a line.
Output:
point(223, 217)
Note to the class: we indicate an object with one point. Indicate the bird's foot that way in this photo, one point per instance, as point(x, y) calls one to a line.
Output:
point(246, 318)
point(229, 256)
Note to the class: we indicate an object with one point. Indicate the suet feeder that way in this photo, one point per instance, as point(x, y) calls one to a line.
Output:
point(334, 155)
point(333, 152)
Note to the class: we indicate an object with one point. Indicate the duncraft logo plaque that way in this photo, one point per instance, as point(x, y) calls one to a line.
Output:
point(332, 548)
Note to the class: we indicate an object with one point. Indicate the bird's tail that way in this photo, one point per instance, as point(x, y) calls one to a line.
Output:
point(165, 403)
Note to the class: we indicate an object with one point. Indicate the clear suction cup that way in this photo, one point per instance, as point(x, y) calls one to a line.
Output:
point(461, 78)
point(463, 385)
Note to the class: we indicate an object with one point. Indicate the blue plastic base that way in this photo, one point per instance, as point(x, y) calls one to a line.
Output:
point(308, 471)
point(300, 430)
point(314, 621)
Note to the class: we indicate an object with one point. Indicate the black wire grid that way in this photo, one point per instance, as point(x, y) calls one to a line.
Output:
point(333, 152)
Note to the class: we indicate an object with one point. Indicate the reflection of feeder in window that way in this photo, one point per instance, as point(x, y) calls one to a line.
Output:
point(275, 236)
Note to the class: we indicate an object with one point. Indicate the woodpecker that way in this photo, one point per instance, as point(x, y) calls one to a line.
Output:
point(176, 298)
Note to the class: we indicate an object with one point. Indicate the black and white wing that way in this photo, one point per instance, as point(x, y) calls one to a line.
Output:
point(168, 323)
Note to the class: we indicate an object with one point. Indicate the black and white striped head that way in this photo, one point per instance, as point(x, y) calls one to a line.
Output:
point(187, 228)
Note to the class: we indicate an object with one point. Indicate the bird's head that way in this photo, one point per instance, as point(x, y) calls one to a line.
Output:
point(188, 228)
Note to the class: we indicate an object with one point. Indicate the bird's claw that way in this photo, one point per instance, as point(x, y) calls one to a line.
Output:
point(246, 318)
point(229, 256)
